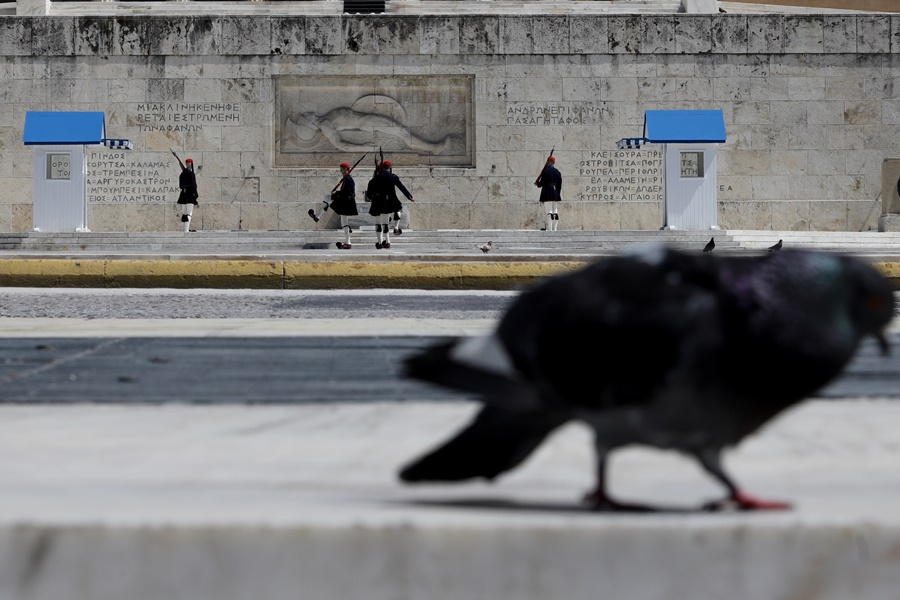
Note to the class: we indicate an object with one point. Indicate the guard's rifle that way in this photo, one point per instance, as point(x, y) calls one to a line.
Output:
point(180, 164)
point(341, 182)
point(381, 154)
point(546, 162)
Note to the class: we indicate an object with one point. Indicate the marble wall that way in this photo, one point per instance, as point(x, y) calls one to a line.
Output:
point(811, 104)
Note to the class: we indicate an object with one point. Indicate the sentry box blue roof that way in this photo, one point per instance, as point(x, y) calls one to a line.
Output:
point(68, 129)
point(684, 126)
point(64, 128)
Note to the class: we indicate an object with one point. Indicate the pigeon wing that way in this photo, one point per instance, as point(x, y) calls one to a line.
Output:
point(619, 331)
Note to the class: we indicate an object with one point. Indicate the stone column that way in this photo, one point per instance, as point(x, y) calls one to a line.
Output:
point(32, 8)
point(890, 199)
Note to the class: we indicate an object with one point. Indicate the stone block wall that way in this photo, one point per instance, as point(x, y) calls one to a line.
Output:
point(811, 105)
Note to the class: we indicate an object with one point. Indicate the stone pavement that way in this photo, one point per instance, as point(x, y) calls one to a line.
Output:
point(149, 501)
point(235, 502)
point(444, 259)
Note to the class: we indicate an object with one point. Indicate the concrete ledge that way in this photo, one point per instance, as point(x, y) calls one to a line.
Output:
point(149, 502)
point(626, 560)
point(295, 275)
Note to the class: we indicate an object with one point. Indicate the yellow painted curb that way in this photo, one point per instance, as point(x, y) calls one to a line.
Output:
point(420, 275)
point(53, 273)
point(195, 273)
point(256, 274)
point(891, 270)
point(275, 274)
point(142, 273)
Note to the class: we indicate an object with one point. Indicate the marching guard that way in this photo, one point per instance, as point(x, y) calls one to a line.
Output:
point(343, 203)
point(382, 194)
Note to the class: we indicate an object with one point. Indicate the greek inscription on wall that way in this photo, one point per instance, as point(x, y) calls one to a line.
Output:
point(622, 176)
point(557, 113)
point(121, 177)
point(416, 120)
point(183, 116)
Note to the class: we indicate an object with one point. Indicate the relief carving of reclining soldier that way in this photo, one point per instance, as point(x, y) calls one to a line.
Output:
point(416, 120)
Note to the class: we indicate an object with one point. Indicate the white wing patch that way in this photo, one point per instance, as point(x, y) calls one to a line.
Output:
point(486, 353)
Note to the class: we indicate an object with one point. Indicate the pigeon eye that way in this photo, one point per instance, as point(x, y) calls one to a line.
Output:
point(875, 302)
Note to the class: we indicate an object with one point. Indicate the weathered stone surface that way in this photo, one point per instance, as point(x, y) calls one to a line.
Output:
point(246, 36)
point(658, 35)
point(589, 35)
point(840, 34)
point(625, 34)
point(765, 34)
point(551, 35)
point(439, 35)
point(804, 34)
point(167, 36)
point(94, 36)
point(730, 34)
point(516, 35)
point(50, 37)
point(809, 103)
point(323, 35)
point(479, 35)
point(204, 36)
point(693, 35)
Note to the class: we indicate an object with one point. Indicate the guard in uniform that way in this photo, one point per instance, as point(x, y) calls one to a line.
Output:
point(343, 203)
point(382, 194)
point(550, 182)
point(187, 181)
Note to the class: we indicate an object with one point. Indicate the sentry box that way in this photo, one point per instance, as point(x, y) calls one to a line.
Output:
point(60, 141)
point(689, 139)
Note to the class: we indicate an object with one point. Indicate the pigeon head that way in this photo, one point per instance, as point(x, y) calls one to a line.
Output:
point(850, 297)
point(871, 301)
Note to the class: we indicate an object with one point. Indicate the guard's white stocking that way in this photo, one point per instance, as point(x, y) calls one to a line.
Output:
point(554, 215)
point(345, 224)
point(321, 210)
point(186, 222)
point(387, 228)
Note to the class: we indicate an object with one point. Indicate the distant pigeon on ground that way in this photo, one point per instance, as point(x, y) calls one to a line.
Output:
point(681, 351)
point(710, 245)
point(485, 247)
point(775, 247)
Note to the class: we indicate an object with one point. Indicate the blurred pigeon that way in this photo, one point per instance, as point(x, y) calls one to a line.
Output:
point(675, 350)
point(775, 247)
point(710, 245)
point(485, 247)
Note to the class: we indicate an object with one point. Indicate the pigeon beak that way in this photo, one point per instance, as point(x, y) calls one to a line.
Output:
point(883, 343)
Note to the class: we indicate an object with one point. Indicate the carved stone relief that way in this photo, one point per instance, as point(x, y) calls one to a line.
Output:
point(417, 120)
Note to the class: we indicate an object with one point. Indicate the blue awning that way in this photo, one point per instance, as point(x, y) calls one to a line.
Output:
point(684, 126)
point(69, 128)
point(64, 128)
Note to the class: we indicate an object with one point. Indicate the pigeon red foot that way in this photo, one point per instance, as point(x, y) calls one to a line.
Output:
point(744, 501)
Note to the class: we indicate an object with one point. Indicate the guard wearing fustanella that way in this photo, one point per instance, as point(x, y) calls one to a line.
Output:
point(382, 193)
point(343, 203)
point(187, 182)
point(550, 182)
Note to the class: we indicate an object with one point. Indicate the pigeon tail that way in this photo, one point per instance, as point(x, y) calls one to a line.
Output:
point(498, 440)
point(478, 365)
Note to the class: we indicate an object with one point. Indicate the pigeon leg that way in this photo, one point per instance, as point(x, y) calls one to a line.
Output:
point(599, 499)
point(736, 498)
